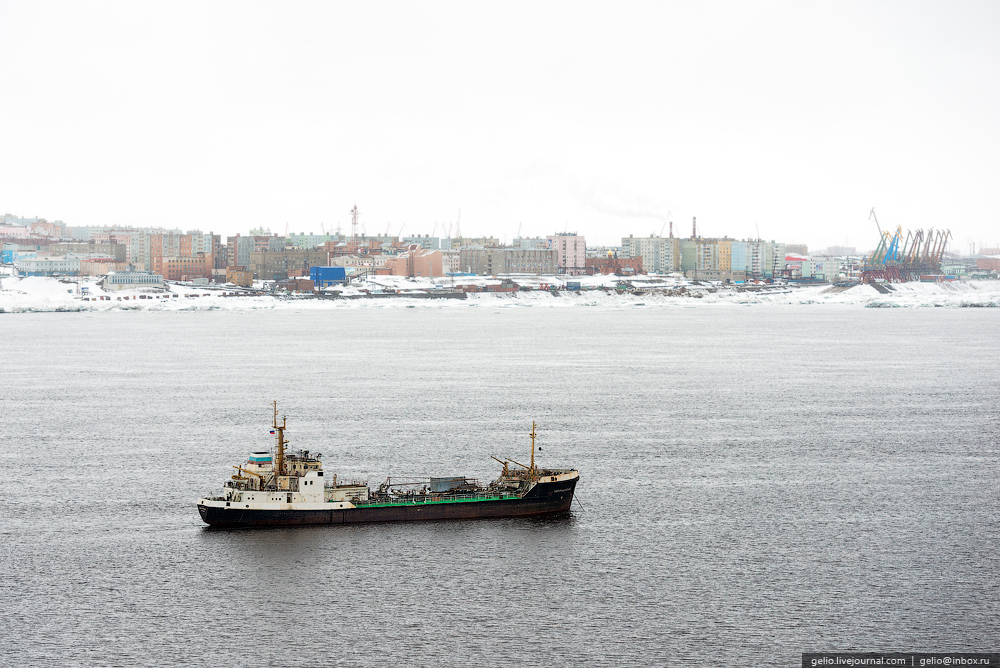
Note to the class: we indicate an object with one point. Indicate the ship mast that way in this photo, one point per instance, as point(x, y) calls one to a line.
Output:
point(279, 431)
point(532, 470)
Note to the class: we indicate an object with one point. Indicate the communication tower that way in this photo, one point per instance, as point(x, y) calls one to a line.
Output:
point(354, 228)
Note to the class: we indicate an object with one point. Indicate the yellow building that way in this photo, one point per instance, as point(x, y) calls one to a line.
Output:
point(239, 276)
point(725, 254)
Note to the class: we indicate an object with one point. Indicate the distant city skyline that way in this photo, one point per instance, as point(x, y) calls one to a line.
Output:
point(292, 236)
point(787, 121)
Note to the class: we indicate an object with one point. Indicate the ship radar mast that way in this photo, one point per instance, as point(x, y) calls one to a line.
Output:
point(279, 433)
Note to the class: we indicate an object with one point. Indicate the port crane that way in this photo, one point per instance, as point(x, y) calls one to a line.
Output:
point(900, 258)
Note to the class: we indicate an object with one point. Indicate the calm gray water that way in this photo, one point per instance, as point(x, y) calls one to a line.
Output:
point(756, 483)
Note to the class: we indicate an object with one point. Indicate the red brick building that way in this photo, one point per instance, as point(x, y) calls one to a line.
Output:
point(621, 266)
point(183, 268)
point(416, 261)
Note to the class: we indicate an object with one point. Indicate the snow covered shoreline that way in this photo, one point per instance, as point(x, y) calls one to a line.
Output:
point(36, 294)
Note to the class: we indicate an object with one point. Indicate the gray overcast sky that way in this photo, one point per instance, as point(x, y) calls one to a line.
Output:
point(794, 118)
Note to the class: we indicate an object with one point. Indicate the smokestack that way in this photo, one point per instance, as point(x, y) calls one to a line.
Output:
point(671, 229)
point(694, 227)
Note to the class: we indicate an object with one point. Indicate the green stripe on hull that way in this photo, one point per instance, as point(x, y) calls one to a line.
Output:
point(428, 503)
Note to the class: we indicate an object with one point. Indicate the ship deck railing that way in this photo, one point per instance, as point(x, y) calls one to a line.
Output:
point(421, 499)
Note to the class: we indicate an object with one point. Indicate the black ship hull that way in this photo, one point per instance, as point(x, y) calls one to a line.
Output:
point(545, 498)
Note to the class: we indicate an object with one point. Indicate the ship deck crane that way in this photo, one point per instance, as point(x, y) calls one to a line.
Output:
point(506, 469)
point(243, 470)
point(263, 479)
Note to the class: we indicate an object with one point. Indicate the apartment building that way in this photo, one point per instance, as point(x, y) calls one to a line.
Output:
point(494, 261)
point(660, 255)
point(571, 252)
point(416, 261)
point(278, 265)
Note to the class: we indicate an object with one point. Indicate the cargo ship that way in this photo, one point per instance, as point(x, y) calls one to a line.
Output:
point(283, 487)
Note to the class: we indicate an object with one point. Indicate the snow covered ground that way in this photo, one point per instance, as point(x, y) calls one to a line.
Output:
point(36, 294)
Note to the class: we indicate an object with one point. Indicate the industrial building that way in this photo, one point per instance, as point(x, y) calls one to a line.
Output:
point(124, 280)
